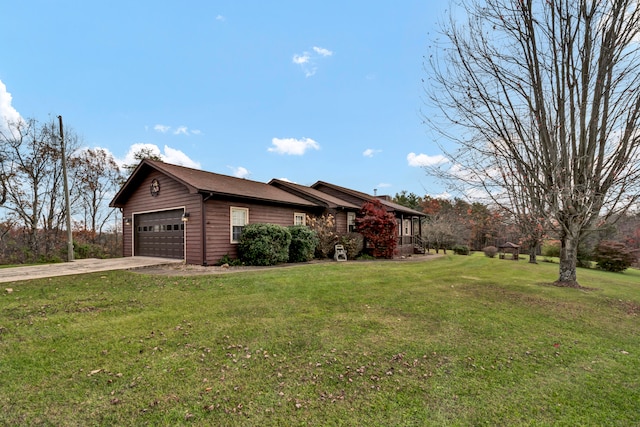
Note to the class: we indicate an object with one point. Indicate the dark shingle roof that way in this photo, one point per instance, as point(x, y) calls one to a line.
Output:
point(199, 181)
point(317, 196)
point(365, 197)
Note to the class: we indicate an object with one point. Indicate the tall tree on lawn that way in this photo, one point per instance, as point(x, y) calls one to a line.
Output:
point(542, 100)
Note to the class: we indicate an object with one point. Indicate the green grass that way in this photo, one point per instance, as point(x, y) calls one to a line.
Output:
point(453, 341)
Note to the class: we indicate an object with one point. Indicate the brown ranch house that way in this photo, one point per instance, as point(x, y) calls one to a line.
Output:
point(172, 211)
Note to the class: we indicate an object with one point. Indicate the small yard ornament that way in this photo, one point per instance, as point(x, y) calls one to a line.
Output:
point(341, 254)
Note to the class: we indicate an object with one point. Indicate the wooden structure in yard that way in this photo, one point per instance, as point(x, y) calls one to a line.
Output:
point(510, 248)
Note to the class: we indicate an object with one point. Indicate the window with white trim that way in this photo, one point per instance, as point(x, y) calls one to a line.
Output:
point(239, 218)
point(351, 222)
point(299, 219)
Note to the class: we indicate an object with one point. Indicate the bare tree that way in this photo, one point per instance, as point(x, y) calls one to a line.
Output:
point(439, 233)
point(542, 98)
point(31, 173)
point(96, 177)
point(446, 222)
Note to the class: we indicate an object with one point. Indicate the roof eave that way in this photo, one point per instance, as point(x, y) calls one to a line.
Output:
point(256, 199)
point(126, 187)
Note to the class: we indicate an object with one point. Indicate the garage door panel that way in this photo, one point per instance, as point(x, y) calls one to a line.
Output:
point(160, 234)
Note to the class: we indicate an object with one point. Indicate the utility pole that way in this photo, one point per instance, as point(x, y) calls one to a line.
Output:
point(66, 195)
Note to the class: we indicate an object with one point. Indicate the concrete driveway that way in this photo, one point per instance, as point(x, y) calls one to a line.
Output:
point(80, 266)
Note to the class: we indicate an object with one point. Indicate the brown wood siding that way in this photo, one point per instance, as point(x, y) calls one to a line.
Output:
point(218, 223)
point(341, 222)
point(172, 195)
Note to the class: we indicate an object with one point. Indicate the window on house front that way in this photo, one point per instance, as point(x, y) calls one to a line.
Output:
point(299, 219)
point(239, 218)
point(351, 222)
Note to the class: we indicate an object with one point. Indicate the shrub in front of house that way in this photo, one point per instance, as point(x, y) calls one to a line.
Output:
point(461, 250)
point(303, 243)
point(378, 227)
point(490, 251)
point(227, 260)
point(614, 256)
point(353, 243)
point(264, 244)
point(325, 228)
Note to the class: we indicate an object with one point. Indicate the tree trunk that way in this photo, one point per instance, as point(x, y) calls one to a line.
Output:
point(533, 254)
point(568, 261)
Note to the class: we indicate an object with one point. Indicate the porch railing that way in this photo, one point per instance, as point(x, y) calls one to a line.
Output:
point(418, 243)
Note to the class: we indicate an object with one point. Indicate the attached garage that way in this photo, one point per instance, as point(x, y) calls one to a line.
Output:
point(159, 234)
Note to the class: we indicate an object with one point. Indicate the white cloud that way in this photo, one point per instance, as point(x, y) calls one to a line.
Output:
point(220, 18)
point(384, 185)
point(322, 51)
point(8, 114)
point(310, 71)
point(181, 130)
point(239, 172)
point(444, 195)
point(130, 159)
point(161, 128)
point(307, 60)
point(301, 59)
point(370, 152)
point(177, 157)
point(293, 146)
point(421, 160)
point(170, 155)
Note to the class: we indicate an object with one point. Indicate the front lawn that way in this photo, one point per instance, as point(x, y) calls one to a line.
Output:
point(452, 341)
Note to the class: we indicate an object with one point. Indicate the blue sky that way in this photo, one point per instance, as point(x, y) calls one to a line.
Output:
point(296, 90)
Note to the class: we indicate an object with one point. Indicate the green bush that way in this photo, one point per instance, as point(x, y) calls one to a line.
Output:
point(87, 250)
point(551, 248)
point(614, 256)
point(303, 243)
point(264, 244)
point(490, 251)
point(584, 258)
point(226, 259)
point(461, 250)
